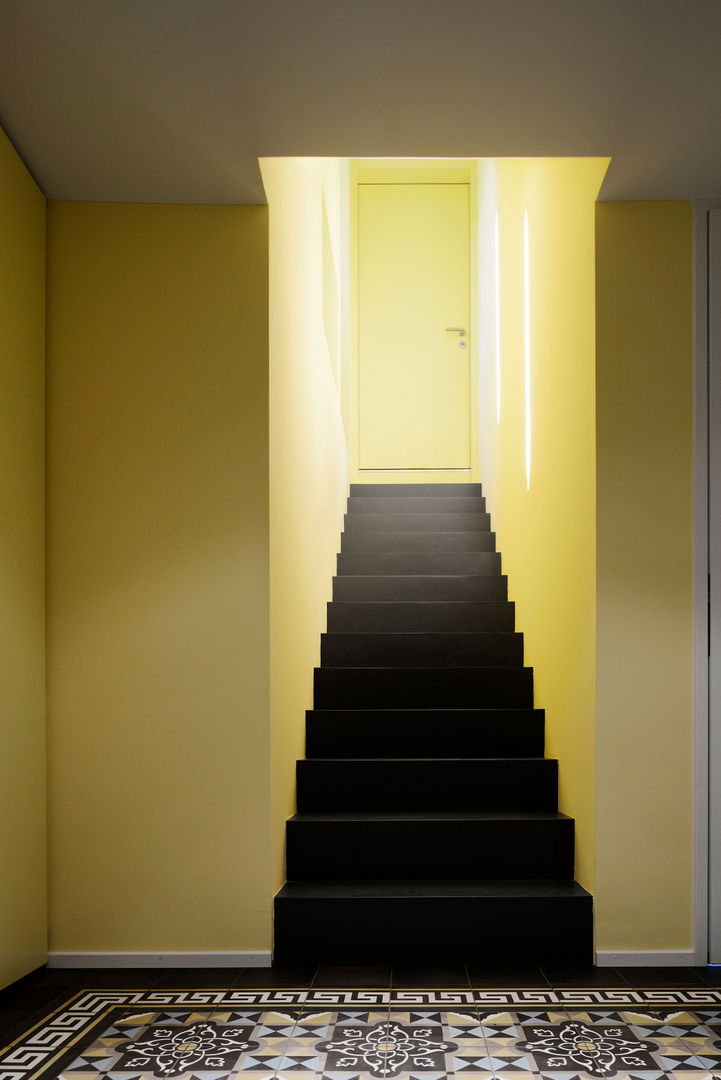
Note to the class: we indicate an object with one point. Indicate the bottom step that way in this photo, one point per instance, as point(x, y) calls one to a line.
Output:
point(380, 921)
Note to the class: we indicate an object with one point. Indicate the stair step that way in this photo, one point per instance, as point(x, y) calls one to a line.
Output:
point(420, 616)
point(487, 844)
point(394, 522)
point(385, 491)
point(402, 542)
point(438, 920)
point(420, 562)
point(465, 650)
point(423, 504)
point(417, 587)
point(437, 733)
point(325, 784)
point(425, 688)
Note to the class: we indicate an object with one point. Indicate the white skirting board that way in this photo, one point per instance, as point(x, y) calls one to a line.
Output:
point(652, 958)
point(259, 959)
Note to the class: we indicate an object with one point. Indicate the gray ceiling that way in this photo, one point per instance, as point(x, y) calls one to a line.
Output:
point(175, 100)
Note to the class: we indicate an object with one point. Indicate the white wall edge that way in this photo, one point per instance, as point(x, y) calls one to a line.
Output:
point(259, 959)
point(651, 958)
point(700, 578)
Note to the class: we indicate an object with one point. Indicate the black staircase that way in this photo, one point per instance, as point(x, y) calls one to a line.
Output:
point(427, 824)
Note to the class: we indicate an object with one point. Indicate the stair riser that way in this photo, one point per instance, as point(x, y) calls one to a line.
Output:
point(500, 784)
point(450, 688)
point(379, 930)
point(410, 587)
point(442, 733)
point(392, 522)
point(390, 491)
point(373, 542)
point(439, 618)
point(416, 505)
point(353, 851)
point(421, 650)
point(421, 562)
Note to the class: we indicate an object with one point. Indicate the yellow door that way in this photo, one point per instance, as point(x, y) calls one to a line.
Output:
point(413, 285)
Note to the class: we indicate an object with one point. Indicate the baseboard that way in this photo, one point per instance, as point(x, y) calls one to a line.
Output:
point(650, 958)
point(259, 959)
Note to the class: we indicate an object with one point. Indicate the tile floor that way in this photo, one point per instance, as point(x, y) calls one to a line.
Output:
point(397, 1023)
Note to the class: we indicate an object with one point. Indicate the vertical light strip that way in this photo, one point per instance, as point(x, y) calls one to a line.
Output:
point(527, 348)
point(498, 324)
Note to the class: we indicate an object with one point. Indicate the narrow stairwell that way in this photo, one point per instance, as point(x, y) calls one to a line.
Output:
point(427, 824)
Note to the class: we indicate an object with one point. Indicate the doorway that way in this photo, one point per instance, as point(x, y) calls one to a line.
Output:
point(412, 228)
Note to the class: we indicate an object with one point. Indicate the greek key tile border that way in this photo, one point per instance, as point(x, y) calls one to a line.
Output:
point(34, 1051)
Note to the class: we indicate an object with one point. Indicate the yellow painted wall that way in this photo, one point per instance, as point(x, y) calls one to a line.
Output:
point(308, 458)
point(158, 578)
point(546, 533)
point(644, 677)
point(23, 932)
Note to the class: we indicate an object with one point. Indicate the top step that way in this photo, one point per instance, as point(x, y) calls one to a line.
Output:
point(390, 490)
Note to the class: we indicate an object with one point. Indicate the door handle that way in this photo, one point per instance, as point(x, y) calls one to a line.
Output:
point(460, 330)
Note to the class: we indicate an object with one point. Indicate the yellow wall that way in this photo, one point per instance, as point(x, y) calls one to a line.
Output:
point(546, 534)
point(158, 578)
point(308, 458)
point(22, 587)
point(644, 707)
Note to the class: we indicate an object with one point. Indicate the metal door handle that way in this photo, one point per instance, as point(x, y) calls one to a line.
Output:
point(460, 330)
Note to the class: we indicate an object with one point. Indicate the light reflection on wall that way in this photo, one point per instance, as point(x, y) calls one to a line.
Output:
point(527, 349)
point(536, 276)
point(497, 291)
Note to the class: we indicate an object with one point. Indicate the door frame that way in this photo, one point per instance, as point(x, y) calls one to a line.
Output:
point(414, 171)
point(701, 667)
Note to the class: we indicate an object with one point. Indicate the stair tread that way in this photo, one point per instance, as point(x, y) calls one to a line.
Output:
point(454, 489)
point(430, 815)
point(417, 504)
point(417, 603)
point(397, 520)
point(377, 515)
point(419, 563)
point(463, 710)
point(381, 667)
point(417, 760)
point(437, 888)
point(433, 577)
point(426, 532)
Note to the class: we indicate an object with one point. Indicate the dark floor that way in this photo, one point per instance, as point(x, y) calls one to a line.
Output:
point(25, 1002)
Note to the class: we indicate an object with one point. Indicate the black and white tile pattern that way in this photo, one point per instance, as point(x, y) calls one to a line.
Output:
point(199, 1034)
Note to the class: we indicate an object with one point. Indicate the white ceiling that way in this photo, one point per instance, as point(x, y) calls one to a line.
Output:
point(175, 100)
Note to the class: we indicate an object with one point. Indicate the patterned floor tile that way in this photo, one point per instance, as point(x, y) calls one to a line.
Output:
point(268, 1034)
point(681, 1059)
point(631, 1075)
point(388, 1049)
point(695, 1076)
point(470, 1068)
point(510, 1066)
point(187, 1044)
point(504, 1029)
point(274, 1026)
point(576, 1047)
point(329, 1017)
point(702, 1035)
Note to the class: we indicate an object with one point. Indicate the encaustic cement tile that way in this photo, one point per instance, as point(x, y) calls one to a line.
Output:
point(387, 1050)
point(260, 1034)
